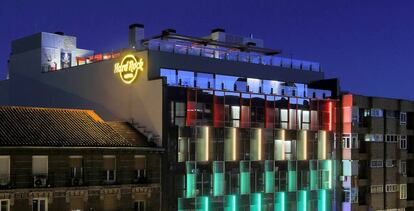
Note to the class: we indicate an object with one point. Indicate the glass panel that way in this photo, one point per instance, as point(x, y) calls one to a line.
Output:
point(170, 75)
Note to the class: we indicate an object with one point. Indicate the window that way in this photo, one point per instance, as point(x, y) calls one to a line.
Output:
point(374, 137)
point(4, 205)
point(391, 114)
point(403, 142)
point(4, 170)
point(39, 204)
point(402, 167)
point(403, 118)
point(355, 114)
point(350, 141)
point(376, 112)
point(391, 138)
point(390, 163)
point(377, 164)
point(110, 168)
point(140, 167)
point(139, 206)
point(403, 191)
point(170, 75)
point(284, 118)
point(390, 188)
point(39, 165)
point(377, 188)
point(76, 166)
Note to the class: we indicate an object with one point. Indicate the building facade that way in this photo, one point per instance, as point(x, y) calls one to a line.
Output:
point(377, 148)
point(242, 128)
point(61, 159)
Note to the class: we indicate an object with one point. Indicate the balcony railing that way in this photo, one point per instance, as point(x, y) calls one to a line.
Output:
point(231, 55)
point(43, 180)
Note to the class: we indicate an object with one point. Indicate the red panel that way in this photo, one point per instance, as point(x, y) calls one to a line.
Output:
point(347, 113)
point(269, 115)
point(218, 112)
point(245, 117)
point(191, 107)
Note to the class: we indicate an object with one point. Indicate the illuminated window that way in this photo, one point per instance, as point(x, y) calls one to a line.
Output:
point(374, 137)
point(403, 191)
point(185, 78)
point(376, 112)
point(391, 188)
point(284, 118)
point(377, 188)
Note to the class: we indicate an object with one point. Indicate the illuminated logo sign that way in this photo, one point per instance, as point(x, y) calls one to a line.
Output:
point(129, 68)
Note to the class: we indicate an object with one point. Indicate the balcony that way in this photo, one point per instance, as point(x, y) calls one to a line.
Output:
point(223, 53)
point(42, 180)
point(140, 177)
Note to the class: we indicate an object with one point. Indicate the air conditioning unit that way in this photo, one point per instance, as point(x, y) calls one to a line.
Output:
point(76, 181)
point(40, 181)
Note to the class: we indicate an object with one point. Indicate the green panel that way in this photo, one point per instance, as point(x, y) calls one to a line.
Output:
point(292, 175)
point(269, 181)
point(256, 202)
point(323, 200)
point(244, 182)
point(313, 180)
point(231, 203)
point(202, 204)
point(218, 188)
point(191, 185)
point(302, 200)
point(280, 201)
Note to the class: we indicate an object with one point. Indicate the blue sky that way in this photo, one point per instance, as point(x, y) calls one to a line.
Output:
point(367, 44)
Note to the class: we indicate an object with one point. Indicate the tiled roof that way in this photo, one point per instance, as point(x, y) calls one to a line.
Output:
point(28, 126)
point(130, 133)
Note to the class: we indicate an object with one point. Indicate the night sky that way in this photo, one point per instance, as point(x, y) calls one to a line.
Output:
point(368, 44)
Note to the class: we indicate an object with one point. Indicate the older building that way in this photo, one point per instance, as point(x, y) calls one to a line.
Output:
point(377, 142)
point(62, 159)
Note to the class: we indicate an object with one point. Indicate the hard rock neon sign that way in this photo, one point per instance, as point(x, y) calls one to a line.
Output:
point(129, 68)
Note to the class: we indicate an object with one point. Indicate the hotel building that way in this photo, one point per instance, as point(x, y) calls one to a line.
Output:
point(242, 128)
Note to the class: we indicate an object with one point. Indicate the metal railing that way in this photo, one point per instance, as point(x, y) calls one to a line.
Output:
point(232, 55)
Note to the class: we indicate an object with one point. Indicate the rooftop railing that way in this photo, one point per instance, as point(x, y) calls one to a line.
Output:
point(231, 55)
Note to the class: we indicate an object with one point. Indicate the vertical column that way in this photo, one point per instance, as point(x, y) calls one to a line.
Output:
point(322, 145)
point(203, 143)
point(256, 144)
point(279, 144)
point(302, 153)
point(230, 144)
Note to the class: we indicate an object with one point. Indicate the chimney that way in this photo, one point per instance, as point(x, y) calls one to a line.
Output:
point(136, 35)
point(218, 34)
